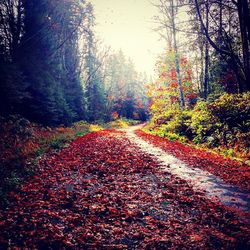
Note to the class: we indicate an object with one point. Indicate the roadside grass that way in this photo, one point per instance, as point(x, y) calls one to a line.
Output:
point(121, 123)
point(220, 150)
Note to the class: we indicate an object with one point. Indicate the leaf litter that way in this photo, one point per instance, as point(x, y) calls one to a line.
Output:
point(102, 192)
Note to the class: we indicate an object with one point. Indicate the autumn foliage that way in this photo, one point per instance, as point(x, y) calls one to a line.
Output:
point(165, 91)
point(221, 122)
point(102, 192)
point(23, 142)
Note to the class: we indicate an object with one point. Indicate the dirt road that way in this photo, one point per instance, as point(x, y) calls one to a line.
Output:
point(113, 190)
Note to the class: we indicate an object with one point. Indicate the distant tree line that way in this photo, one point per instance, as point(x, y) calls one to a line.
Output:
point(51, 71)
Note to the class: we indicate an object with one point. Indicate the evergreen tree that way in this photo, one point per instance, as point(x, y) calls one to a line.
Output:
point(13, 88)
point(93, 77)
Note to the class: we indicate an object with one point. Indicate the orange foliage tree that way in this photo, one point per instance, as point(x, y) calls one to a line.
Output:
point(164, 92)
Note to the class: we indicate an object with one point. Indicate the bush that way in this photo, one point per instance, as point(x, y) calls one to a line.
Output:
point(172, 123)
point(122, 123)
point(181, 123)
point(58, 142)
point(203, 124)
point(233, 111)
point(223, 123)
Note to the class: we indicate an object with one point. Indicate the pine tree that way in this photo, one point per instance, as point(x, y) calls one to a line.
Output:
point(93, 78)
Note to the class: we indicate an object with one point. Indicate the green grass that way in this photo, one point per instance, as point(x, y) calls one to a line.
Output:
point(121, 123)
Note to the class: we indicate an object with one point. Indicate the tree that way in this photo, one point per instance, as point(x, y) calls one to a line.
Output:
point(93, 77)
point(11, 27)
point(163, 92)
point(13, 87)
point(41, 64)
point(73, 26)
point(228, 44)
point(124, 88)
point(51, 71)
point(168, 12)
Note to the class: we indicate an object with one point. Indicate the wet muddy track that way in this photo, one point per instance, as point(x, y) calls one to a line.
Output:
point(201, 180)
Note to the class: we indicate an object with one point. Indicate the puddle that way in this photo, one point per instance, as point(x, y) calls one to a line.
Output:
point(201, 180)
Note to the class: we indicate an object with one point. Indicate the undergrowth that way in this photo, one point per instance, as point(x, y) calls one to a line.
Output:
point(22, 143)
point(221, 125)
point(121, 123)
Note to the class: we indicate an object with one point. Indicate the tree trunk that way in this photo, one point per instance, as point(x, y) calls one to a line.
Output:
point(206, 75)
point(234, 57)
point(177, 58)
point(243, 13)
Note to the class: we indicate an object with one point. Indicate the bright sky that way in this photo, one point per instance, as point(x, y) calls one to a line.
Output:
point(127, 25)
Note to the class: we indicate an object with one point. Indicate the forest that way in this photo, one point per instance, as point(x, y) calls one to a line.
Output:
point(80, 127)
point(52, 71)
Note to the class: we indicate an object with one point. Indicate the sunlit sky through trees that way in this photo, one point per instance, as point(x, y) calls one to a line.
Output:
point(127, 25)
